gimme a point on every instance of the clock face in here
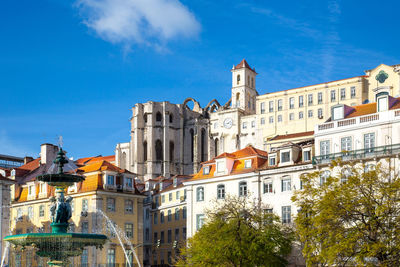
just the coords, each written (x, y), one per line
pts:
(228, 122)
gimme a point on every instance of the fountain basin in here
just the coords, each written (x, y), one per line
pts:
(57, 246)
(60, 180)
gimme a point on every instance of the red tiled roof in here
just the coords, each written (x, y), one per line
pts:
(293, 135)
(89, 160)
(101, 165)
(30, 166)
(243, 64)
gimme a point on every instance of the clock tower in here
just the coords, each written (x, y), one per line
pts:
(244, 87)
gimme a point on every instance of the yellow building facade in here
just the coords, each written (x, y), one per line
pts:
(106, 199)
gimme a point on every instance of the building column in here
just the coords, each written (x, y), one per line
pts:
(166, 159)
(196, 146)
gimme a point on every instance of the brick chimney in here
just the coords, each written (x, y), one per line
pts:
(48, 153)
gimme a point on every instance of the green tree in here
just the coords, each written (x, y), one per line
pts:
(238, 233)
(349, 216)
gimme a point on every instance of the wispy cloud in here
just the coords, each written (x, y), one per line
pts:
(138, 22)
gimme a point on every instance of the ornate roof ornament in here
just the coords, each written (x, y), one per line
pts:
(381, 76)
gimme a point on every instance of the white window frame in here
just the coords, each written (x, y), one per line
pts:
(247, 163)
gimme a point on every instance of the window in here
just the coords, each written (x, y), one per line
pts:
(85, 227)
(220, 191)
(310, 99)
(301, 114)
(169, 215)
(30, 213)
(286, 214)
(247, 163)
(320, 113)
(110, 179)
(320, 98)
(159, 150)
(338, 113)
(369, 142)
(19, 214)
(279, 118)
(178, 195)
(155, 218)
(162, 198)
(42, 188)
(237, 79)
(215, 125)
(286, 184)
(310, 113)
(184, 232)
(382, 103)
(184, 213)
(145, 151)
(162, 217)
(176, 234)
(171, 118)
(31, 190)
(285, 157)
(162, 240)
(346, 173)
(199, 221)
(158, 116)
(262, 121)
(272, 161)
(147, 214)
(85, 258)
(111, 257)
(271, 119)
(291, 116)
(333, 95)
(220, 166)
(343, 93)
(325, 148)
(307, 155)
(155, 237)
(353, 92)
(85, 205)
(176, 214)
(279, 104)
(244, 125)
(271, 106)
(253, 124)
(128, 206)
(323, 177)
(262, 107)
(346, 143)
(268, 187)
(200, 194)
(129, 230)
(169, 236)
(242, 189)
(41, 211)
(128, 182)
(170, 197)
(291, 103)
(110, 204)
(147, 234)
(301, 101)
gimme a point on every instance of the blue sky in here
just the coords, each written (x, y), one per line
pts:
(75, 68)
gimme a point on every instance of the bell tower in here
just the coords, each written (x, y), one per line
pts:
(244, 87)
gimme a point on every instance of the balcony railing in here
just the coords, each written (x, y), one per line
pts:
(380, 151)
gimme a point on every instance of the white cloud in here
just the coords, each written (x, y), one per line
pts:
(148, 22)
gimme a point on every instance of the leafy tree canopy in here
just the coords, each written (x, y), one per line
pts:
(238, 233)
(349, 215)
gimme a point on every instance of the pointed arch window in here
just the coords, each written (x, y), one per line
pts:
(158, 116)
(145, 151)
(238, 79)
(159, 152)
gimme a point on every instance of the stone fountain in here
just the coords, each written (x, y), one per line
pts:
(59, 245)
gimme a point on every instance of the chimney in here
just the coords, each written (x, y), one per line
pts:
(27, 159)
(48, 153)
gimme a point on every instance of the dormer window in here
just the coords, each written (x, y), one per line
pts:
(338, 112)
(175, 182)
(128, 182)
(247, 163)
(206, 170)
(31, 190)
(272, 161)
(110, 179)
(220, 166)
(285, 157)
(383, 102)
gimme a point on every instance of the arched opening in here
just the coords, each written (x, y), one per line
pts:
(237, 99)
(171, 151)
(238, 79)
(191, 145)
(158, 116)
(203, 145)
(145, 118)
(248, 80)
(216, 147)
(171, 118)
(145, 151)
(159, 150)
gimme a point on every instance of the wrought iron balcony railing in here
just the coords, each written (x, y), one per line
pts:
(375, 152)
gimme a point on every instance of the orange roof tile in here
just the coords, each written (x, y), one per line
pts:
(30, 166)
(101, 165)
(88, 160)
(293, 135)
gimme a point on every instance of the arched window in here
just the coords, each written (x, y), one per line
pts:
(159, 152)
(237, 99)
(238, 79)
(184, 212)
(216, 147)
(169, 215)
(242, 189)
(191, 145)
(248, 80)
(158, 116)
(171, 151)
(176, 214)
(162, 217)
(220, 191)
(145, 118)
(171, 118)
(203, 145)
(145, 151)
(346, 173)
(252, 82)
(200, 194)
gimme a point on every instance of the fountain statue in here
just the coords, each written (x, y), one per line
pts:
(59, 245)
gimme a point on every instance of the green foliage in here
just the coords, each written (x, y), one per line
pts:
(238, 233)
(352, 218)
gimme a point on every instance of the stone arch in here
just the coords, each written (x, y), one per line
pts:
(212, 106)
(196, 105)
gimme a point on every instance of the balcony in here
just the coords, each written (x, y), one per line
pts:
(366, 153)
